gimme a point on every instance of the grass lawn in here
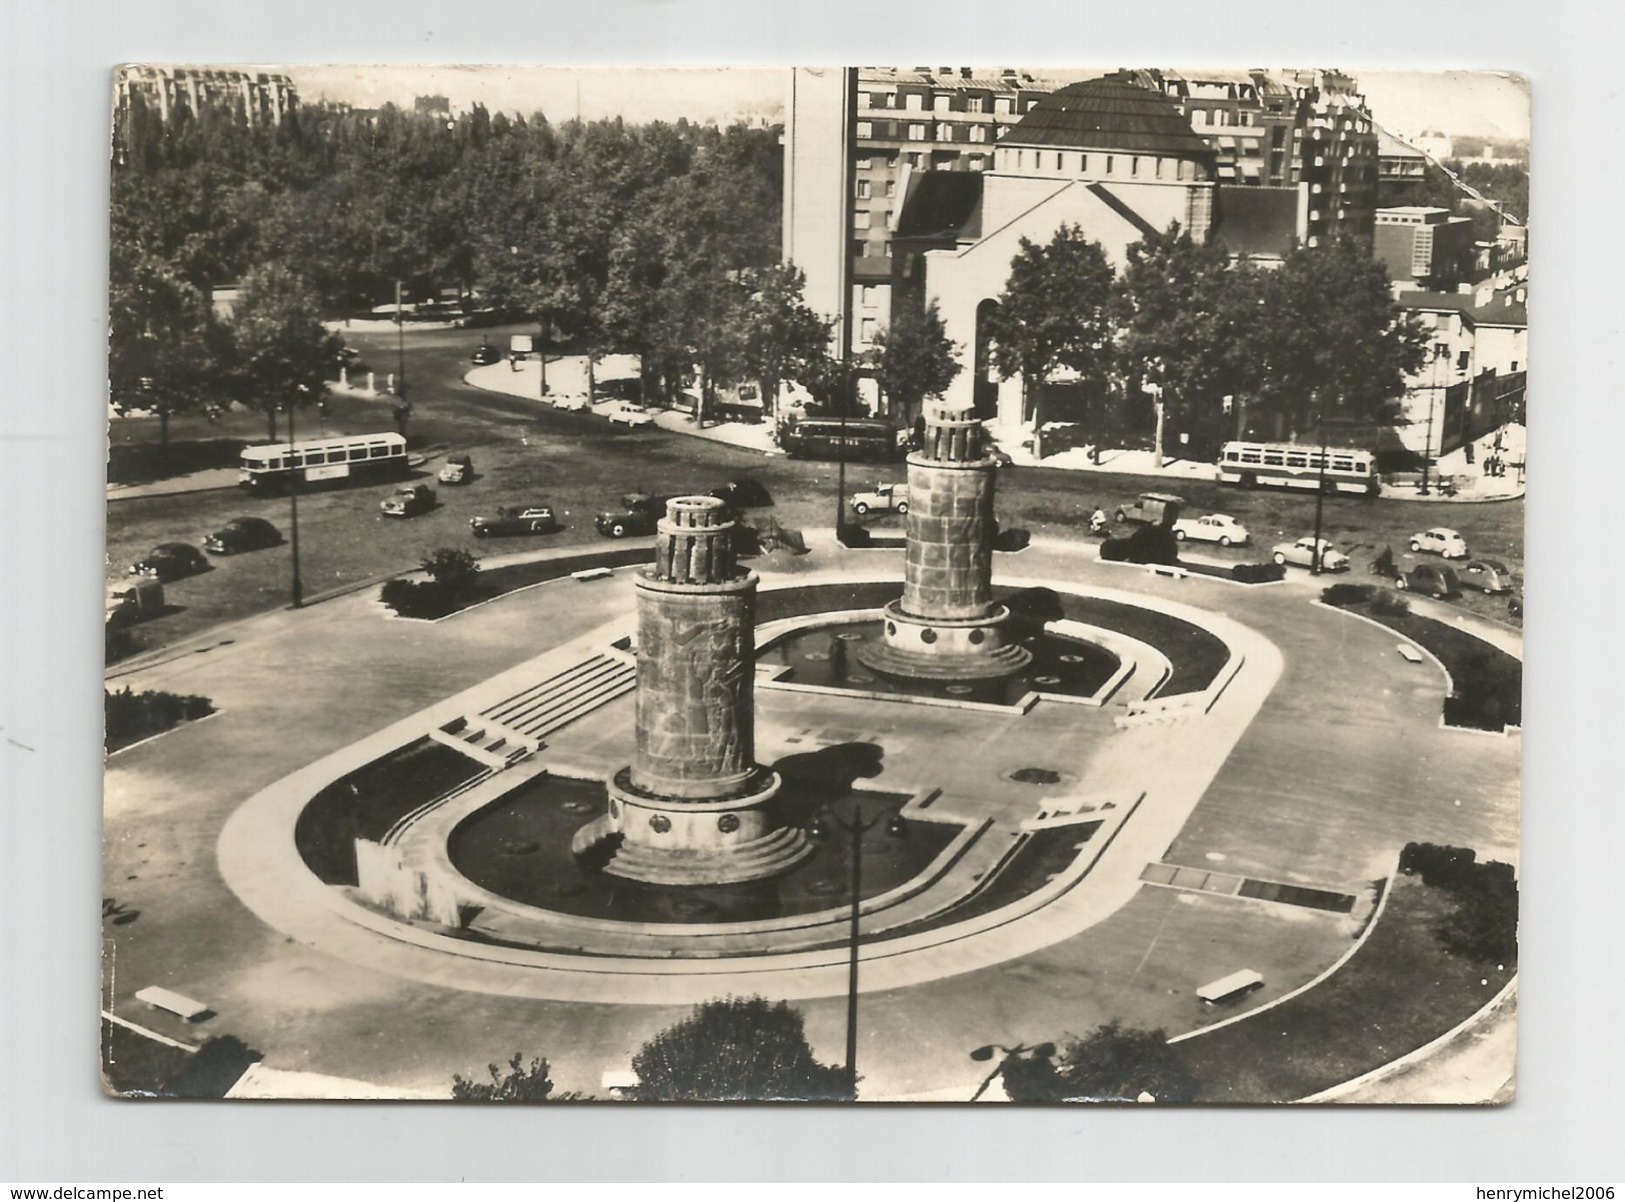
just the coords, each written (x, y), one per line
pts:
(1402, 989)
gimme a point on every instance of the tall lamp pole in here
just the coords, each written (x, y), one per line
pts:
(855, 830)
(293, 507)
(400, 346)
(1320, 485)
(1440, 350)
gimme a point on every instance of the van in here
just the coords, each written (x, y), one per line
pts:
(1153, 508)
(132, 601)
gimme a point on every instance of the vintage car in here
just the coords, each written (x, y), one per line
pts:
(1429, 579)
(170, 561)
(638, 514)
(884, 497)
(514, 519)
(485, 354)
(242, 534)
(1150, 507)
(1440, 541)
(1485, 575)
(624, 413)
(1218, 528)
(1302, 554)
(458, 469)
(408, 501)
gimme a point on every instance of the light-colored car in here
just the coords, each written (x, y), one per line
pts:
(570, 402)
(883, 497)
(458, 469)
(624, 413)
(1302, 554)
(1440, 540)
(1218, 528)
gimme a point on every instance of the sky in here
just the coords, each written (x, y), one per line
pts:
(1405, 102)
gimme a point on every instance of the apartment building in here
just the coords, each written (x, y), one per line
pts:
(262, 97)
(1425, 248)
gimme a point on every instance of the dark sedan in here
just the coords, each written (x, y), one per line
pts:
(170, 561)
(515, 519)
(639, 514)
(485, 355)
(1485, 575)
(242, 534)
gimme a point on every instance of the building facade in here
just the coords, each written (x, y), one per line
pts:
(262, 98)
(1473, 377)
(1425, 248)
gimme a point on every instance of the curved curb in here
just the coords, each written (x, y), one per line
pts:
(1416, 1055)
(1337, 964)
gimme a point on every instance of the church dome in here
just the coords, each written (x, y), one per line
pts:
(1108, 114)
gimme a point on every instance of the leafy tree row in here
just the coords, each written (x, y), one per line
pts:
(1218, 344)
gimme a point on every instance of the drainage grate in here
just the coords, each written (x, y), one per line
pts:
(1036, 776)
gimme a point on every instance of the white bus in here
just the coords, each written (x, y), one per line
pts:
(1298, 465)
(360, 458)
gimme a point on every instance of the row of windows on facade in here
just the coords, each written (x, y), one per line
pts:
(920, 161)
(860, 219)
(945, 132)
(943, 102)
(865, 248)
(1143, 166)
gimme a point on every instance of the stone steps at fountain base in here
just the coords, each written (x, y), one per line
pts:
(764, 857)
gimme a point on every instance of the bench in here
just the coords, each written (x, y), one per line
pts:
(160, 998)
(1409, 654)
(592, 573)
(1230, 986)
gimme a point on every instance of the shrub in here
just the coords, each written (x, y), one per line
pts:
(1114, 550)
(1258, 573)
(519, 1083)
(414, 599)
(133, 716)
(1014, 539)
(1483, 926)
(1110, 1064)
(1347, 594)
(453, 569)
(1488, 690)
(736, 1050)
(1389, 604)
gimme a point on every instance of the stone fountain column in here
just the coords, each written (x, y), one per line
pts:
(946, 625)
(694, 806)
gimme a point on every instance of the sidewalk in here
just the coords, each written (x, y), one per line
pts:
(207, 480)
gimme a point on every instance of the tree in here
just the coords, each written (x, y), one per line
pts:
(281, 352)
(1110, 1064)
(158, 333)
(453, 569)
(736, 1050)
(1331, 339)
(917, 359)
(782, 336)
(1054, 313)
(1178, 323)
(518, 1083)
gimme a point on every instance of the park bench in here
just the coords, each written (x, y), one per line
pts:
(160, 998)
(1230, 986)
(1409, 654)
(592, 573)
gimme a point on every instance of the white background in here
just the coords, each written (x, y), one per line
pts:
(55, 61)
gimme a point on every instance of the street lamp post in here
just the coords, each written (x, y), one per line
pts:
(1320, 490)
(400, 346)
(293, 508)
(855, 830)
(1440, 350)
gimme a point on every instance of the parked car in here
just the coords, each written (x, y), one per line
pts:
(884, 497)
(1515, 605)
(1486, 575)
(570, 402)
(133, 600)
(1440, 541)
(624, 413)
(485, 354)
(408, 501)
(743, 493)
(458, 469)
(170, 561)
(242, 534)
(515, 519)
(1302, 554)
(1429, 579)
(1218, 528)
(638, 514)
(1150, 507)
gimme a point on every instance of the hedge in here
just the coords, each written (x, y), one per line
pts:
(132, 716)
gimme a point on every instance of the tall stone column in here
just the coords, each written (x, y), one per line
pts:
(694, 807)
(946, 625)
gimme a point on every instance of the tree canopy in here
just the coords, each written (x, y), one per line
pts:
(916, 358)
(736, 1050)
(1109, 1064)
(518, 1082)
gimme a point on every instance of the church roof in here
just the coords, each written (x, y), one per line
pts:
(1108, 114)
